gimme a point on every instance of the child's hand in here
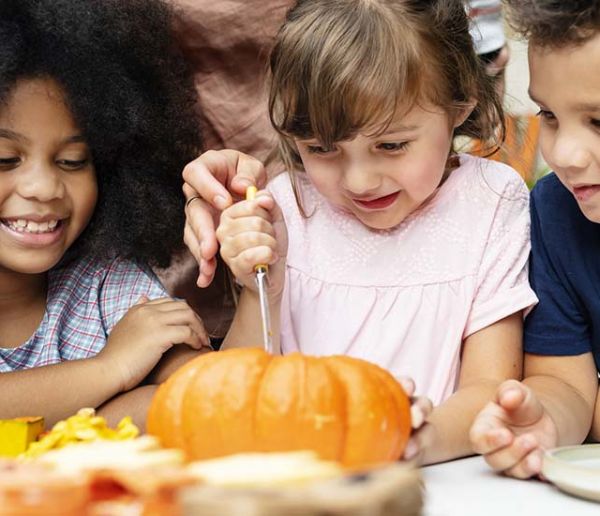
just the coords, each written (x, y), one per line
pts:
(148, 329)
(422, 435)
(513, 431)
(251, 233)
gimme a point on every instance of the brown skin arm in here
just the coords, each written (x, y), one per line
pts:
(172, 360)
(135, 403)
(56, 391)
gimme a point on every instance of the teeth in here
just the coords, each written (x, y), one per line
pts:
(29, 226)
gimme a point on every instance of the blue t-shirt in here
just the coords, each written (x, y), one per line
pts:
(565, 274)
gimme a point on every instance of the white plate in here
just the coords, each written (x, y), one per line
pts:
(575, 470)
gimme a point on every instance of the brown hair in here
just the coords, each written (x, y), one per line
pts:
(340, 66)
(555, 23)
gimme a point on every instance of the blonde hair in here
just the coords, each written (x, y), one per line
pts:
(339, 67)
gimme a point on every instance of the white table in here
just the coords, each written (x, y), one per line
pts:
(467, 487)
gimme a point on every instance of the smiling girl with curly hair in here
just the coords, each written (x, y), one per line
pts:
(96, 122)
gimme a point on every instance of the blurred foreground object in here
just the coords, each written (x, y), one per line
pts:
(85, 426)
(17, 434)
(393, 490)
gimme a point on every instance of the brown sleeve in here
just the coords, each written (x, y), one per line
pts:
(228, 43)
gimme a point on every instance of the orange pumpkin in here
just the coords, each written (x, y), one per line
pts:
(244, 399)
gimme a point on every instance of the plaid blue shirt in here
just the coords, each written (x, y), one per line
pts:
(86, 298)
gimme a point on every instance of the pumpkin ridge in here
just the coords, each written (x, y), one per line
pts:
(402, 404)
(189, 430)
(259, 388)
(346, 430)
(157, 420)
(391, 400)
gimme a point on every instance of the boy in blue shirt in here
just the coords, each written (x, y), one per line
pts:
(554, 405)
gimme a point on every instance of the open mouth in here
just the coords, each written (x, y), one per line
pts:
(378, 204)
(31, 227)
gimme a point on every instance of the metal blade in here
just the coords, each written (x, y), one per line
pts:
(261, 282)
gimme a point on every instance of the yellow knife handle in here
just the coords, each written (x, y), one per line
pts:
(250, 195)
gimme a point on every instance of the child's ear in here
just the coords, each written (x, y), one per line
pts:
(462, 112)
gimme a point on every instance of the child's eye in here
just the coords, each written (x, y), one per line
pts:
(318, 149)
(7, 163)
(72, 164)
(546, 115)
(392, 146)
(595, 122)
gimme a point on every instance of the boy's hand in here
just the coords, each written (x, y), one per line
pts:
(422, 435)
(148, 329)
(210, 181)
(513, 431)
(251, 233)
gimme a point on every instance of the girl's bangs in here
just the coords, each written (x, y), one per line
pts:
(335, 88)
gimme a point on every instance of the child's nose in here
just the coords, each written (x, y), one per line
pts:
(41, 182)
(569, 152)
(359, 179)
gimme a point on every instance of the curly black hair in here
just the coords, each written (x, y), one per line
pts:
(131, 94)
(555, 23)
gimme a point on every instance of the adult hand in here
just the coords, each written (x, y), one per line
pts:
(513, 431)
(211, 183)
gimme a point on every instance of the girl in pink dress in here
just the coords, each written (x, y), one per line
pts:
(383, 242)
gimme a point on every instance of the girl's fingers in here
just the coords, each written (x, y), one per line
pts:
(418, 443)
(197, 326)
(168, 304)
(411, 450)
(172, 312)
(159, 301)
(249, 208)
(408, 385)
(233, 247)
(183, 334)
(233, 227)
(420, 410)
(244, 263)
